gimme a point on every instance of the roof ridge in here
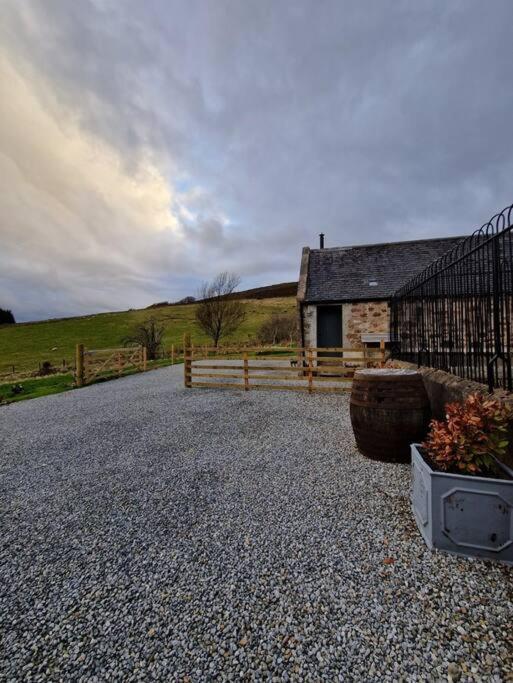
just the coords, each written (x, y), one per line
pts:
(386, 244)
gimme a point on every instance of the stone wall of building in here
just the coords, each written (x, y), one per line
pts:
(357, 318)
(364, 317)
(310, 325)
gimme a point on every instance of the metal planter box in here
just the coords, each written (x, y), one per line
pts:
(471, 516)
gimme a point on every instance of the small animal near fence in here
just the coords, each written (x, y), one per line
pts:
(319, 370)
(91, 364)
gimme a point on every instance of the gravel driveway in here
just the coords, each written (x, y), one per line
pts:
(152, 532)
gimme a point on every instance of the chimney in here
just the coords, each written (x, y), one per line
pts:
(321, 240)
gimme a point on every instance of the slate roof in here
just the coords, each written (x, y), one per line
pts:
(344, 273)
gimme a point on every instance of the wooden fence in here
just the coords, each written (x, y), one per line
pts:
(92, 363)
(297, 369)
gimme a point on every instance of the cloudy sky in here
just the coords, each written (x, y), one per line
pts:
(146, 146)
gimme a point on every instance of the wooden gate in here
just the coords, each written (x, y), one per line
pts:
(93, 363)
(296, 369)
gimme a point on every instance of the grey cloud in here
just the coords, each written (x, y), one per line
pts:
(368, 120)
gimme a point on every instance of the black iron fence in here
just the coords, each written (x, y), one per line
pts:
(457, 315)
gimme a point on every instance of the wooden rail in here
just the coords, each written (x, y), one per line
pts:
(92, 363)
(301, 369)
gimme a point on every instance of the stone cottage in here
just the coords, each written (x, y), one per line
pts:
(344, 292)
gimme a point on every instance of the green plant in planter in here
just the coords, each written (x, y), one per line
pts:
(472, 434)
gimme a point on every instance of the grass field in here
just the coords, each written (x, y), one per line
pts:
(33, 388)
(25, 345)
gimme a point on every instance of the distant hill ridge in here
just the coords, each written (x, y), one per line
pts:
(283, 289)
(279, 291)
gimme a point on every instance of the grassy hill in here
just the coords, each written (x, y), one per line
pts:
(279, 291)
(25, 345)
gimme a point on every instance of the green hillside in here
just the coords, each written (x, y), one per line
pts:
(25, 345)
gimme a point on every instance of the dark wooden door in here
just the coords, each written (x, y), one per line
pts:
(329, 326)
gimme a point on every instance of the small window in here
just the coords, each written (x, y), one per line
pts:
(373, 283)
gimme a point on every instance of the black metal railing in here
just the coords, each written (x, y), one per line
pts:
(456, 315)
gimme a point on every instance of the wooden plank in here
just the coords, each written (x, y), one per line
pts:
(336, 349)
(290, 378)
(353, 364)
(187, 360)
(242, 349)
(122, 349)
(334, 368)
(102, 365)
(216, 375)
(246, 372)
(279, 387)
(283, 357)
(217, 385)
(223, 366)
(297, 378)
(333, 378)
(216, 366)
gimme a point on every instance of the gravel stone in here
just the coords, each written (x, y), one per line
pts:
(149, 532)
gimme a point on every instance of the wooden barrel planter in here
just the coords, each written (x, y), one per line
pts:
(389, 411)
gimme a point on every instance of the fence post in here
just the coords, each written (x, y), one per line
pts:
(299, 362)
(144, 358)
(310, 371)
(187, 360)
(80, 365)
(172, 354)
(246, 372)
(382, 350)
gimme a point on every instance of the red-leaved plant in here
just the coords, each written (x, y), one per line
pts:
(471, 434)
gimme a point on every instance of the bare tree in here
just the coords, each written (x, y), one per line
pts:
(217, 314)
(148, 334)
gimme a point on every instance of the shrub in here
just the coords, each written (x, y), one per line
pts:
(6, 317)
(472, 434)
(148, 334)
(46, 368)
(278, 328)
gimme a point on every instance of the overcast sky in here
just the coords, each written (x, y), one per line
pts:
(145, 146)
